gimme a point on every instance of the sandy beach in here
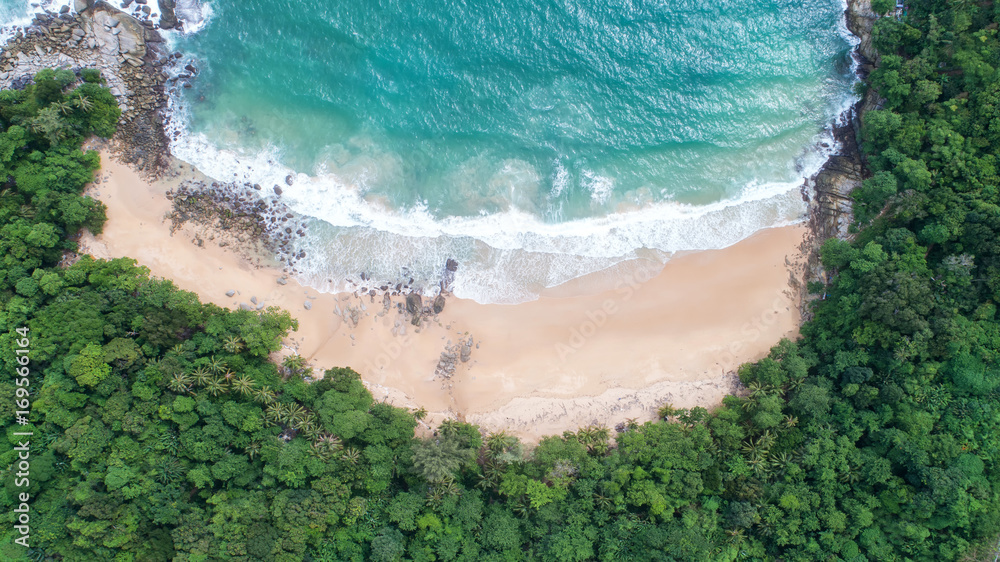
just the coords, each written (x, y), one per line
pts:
(572, 358)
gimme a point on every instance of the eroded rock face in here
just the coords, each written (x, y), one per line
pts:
(860, 20)
(115, 33)
(832, 209)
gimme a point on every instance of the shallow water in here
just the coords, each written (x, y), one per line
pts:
(534, 141)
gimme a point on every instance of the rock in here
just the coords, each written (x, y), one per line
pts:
(64, 10)
(253, 300)
(288, 179)
(230, 293)
(282, 281)
(438, 304)
(413, 304)
(245, 306)
(82, 5)
(308, 305)
(277, 190)
(168, 19)
(451, 265)
(466, 352)
(147, 10)
(126, 4)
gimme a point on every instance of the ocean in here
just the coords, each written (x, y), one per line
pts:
(533, 141)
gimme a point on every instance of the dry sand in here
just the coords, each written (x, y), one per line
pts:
(572, 358)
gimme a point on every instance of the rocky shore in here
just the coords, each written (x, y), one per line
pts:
(129, 53)
(831, 206)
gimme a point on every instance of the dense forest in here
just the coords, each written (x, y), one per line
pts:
(160, 430)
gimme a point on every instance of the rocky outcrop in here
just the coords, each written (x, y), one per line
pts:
(860, 20)
(831, 206)
(125, 51)
(831, 210)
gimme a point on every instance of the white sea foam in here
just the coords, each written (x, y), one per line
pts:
(507, 256)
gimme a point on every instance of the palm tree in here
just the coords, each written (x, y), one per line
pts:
(265, 395)
(757, 390)
(243, 385)
(273, 414)
(179, 383)
(759, 463)
(215, 387)
(603, 502)
(666, 411)
(64, 107)
(351, 455)
(308, 428)
(216, 365)
(233, 344)
(595, 438)
(84, 103)
(201, 376)
(791, 421)
(796, 383)
(296, 415)
(252, 449)
(499, 442)
(330, 442)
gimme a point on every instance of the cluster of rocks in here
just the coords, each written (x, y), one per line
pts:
(239, 210)
(416, 309)
(125, 50)
(451, 356)
(414, 305)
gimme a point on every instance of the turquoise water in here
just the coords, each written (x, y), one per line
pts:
(534, 140)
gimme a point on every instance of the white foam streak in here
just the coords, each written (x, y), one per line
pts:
(508, 256)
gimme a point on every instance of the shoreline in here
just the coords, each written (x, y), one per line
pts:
(526, 371)
(536, 368)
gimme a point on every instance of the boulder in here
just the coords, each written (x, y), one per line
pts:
(413, 303)
(438, 305)
(168, 19)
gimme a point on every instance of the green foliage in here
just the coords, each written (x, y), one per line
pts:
(873, 437)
